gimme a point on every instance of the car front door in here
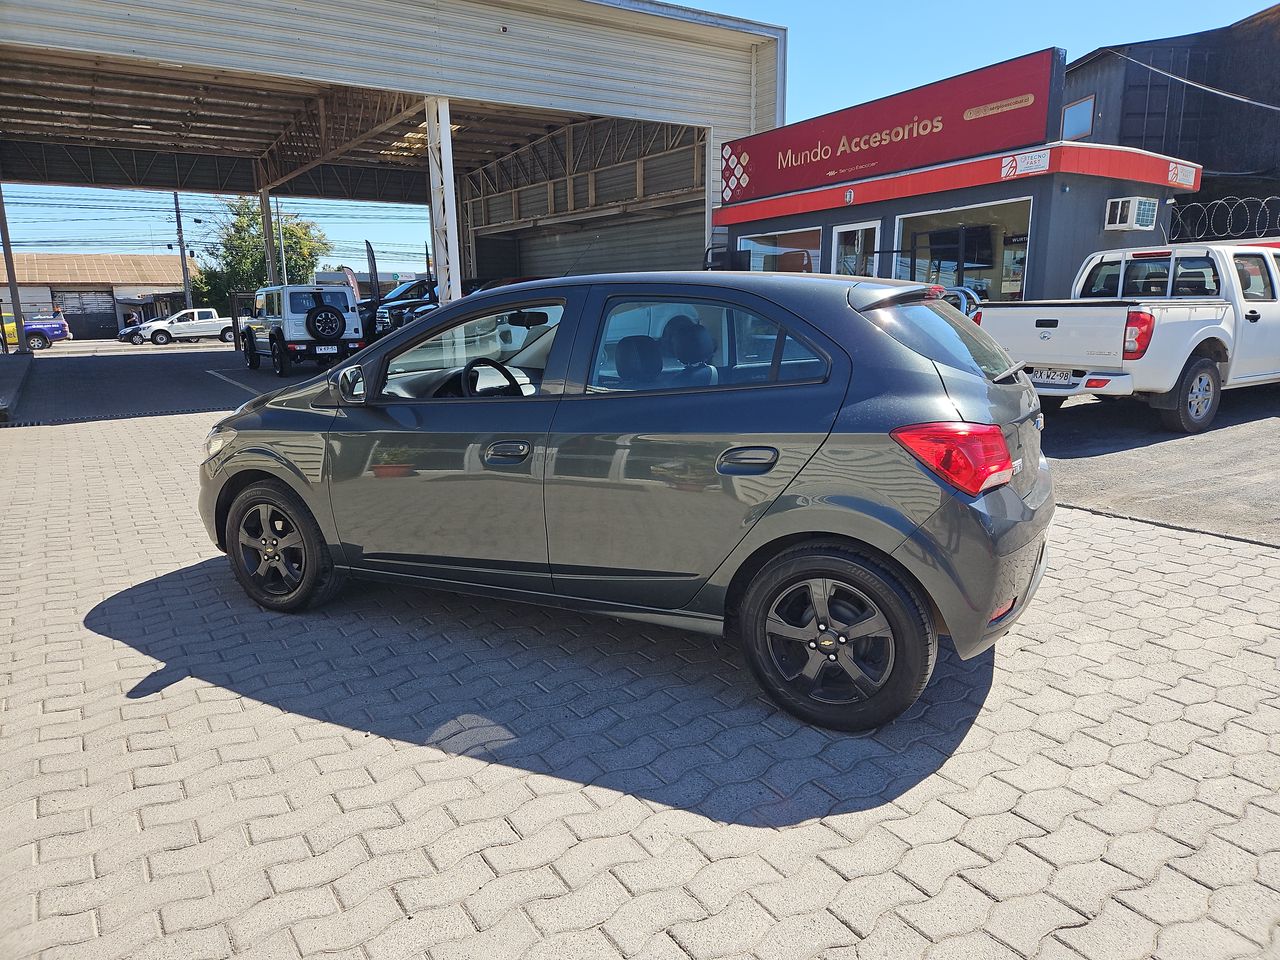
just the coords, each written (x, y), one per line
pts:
(1258, 351)
(688, 412)
(428, 482)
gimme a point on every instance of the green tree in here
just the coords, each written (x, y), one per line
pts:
(235, 258)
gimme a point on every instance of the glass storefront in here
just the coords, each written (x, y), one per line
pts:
(983, 248)
(798, 251)
(855, 247)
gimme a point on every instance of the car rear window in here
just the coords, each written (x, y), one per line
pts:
(937, 330)
(301, 301)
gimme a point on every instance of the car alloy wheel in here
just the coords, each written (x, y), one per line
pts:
(830, 641)
(227, 336)
(1200, 396)
(137, 340)
(160, 338)
(38, 341)
(272, 551)
(1198, 393)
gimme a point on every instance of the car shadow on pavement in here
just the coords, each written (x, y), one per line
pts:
(668, 716)
(1095, 427)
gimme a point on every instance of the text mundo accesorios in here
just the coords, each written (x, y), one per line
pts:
(822, 151)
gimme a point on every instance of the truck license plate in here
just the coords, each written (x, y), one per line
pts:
(326, 349)
(1057, 378)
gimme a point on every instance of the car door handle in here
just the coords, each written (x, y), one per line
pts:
(506, 452)
(1253, 316)
(746, 461)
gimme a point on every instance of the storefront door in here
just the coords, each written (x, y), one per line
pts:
(856, 247)
(983, 248)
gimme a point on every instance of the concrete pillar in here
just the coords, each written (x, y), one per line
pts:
(268, 237)
(444, 204)
(14, 296)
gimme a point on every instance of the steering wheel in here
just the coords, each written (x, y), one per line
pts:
(469, 391)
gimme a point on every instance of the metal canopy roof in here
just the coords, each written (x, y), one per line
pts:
(96, 121)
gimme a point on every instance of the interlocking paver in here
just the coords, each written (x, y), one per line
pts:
(407, 774)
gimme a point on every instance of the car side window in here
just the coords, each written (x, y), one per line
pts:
(1146, 278)
(259, 305)
(1103, 280)
(516, 338)
(661, 344)
(1255, 279)
(1196, 277)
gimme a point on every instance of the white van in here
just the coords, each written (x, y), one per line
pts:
(291, 324)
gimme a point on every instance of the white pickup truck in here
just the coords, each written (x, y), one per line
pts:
(1173, 326)
(191, 324)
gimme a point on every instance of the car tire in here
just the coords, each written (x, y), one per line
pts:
(1051, 404)
(161, 337)
(873, 678)
(326, 324)
(252, 359)
(280, 362)
(275, 576)
(37, 341)
(1198, 393)
(227, 336)
(137, 339)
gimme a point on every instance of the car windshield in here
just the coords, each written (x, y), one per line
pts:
(942, 333)
(396, 292)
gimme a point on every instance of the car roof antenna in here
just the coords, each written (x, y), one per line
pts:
(578, 260)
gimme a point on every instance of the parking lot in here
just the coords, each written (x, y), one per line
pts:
(408, 772)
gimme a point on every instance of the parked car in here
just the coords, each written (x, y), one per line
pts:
(295, 323)
(393, 315)
(187, 326)
(834, 503)
(42, 331)
(420, 289)
(1172, 326)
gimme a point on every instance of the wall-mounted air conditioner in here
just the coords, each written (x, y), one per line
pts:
(1132, 213)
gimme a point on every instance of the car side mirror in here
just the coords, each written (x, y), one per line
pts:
(351, 384)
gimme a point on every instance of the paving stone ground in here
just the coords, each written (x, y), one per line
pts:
(409, 774)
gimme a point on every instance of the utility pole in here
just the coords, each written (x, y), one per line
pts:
(19, 330)
(284, 267)
(182, 252)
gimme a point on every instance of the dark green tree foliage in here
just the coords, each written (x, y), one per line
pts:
(234, 259)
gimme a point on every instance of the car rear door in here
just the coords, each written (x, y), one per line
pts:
(666, 449)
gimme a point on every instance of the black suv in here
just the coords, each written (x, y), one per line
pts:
(832, 470)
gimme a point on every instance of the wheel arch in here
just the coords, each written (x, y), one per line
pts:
(253, 467)
(1215, 348)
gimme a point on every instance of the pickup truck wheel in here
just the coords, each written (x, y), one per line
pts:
(1052, 404)
(1198, 391)
(252, 359)
(161, 337)
(227, 336)
(835, 638)
(37, 341)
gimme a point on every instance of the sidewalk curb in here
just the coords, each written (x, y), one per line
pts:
(14, 370)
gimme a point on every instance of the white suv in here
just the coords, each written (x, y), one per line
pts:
(293, 323)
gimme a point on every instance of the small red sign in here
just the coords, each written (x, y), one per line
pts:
(996, 108)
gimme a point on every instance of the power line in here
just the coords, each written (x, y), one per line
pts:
(1200, 86)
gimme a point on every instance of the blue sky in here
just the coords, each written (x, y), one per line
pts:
(838, 55)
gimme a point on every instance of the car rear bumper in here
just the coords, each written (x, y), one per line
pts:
(320, 351)
(976, 556)
(1107, 384)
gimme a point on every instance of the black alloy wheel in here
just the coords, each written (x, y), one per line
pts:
(835, 637)
(277, 550)
(279, 358)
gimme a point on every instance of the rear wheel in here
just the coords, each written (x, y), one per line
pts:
(277, 550)
(227, 336)
(37, 341)
(1198, 391)
(835, 638)
(252, 359)
(279, 358)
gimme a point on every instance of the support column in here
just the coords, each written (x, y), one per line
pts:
(14, 296)
(444, 204)
(268, 237)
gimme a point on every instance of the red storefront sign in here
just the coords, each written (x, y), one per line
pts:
(996, 108)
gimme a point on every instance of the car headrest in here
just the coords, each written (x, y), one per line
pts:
(693, 345)
(639, 358)
(677, 323)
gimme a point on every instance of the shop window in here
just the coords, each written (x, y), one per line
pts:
(1077, 119)
(798, 251)
(982, 248)
(855, 248)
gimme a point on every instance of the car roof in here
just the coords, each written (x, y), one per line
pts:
(861, 291)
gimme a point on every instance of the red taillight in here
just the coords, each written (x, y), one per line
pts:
(973, 457)
(1137, 334)
(1096, 383)
(977, 317)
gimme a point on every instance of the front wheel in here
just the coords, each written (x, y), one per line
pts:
(227, 336)
(137, 340)
(161, 337)
(1198, 391)
(37, 341)
(279, 358)
(837, 639)
(277, 550)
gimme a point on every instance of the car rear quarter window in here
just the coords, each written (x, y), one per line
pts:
(942, 333)
(1102, 281)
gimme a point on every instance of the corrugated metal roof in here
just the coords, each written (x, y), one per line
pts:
(108, 268)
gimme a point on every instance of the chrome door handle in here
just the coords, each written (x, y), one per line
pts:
(506, 452)
(746, 461)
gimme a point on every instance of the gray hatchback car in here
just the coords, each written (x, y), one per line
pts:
(834, 471)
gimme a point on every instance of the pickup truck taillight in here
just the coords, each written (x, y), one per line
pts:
(977, 317)
(1138, 329)
(972, 457)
